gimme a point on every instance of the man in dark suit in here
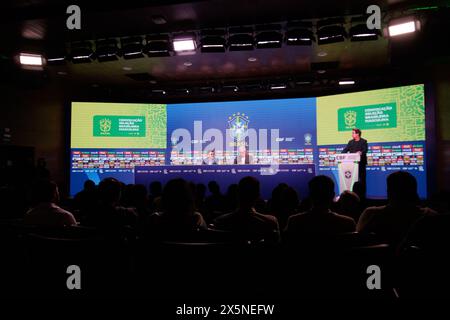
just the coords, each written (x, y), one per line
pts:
(243, 156)
(211, 159)
(359, 145)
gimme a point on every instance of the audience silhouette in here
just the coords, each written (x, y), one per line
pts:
(246, 221)
(392, 221)
(178, 215)
(319, 222)
(46, 212)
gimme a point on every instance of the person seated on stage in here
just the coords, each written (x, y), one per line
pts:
(243, 156)
(47, 213)
(178, 216)
(392, 221)
(319, 223)
(211, 159)
(107, 214)
(245, 221)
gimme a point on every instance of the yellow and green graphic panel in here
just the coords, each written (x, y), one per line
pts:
(118, 125)
(394, 114)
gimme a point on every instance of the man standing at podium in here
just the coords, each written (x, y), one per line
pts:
(358, 145)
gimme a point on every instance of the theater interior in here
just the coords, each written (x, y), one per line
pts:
(223, 151)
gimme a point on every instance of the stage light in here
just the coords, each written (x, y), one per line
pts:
(158, 46)
(396, 29)
(240, 38)
(299, 37)
(56, 56)
(159, 91)
(107, 50)
(206, 90)
(331, 34)
(268, 39)
(182, 91)
(132, 48)
(184, 43)
(277, 86)
(346, 82)
(213, 44)
(230, 88)
(29, 59)
(81, 52)
(360, 32)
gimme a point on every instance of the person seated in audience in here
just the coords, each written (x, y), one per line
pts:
(246, 222)
(360, 191)
(178, 216)
(47, 213)
(154, 197)
(87, 197)
(215, 203)
(284, 203)
(107, 214)
(139, 201)
(392, 221)
(319, 223)
(200, 192)
(231, 198)
(349, 204)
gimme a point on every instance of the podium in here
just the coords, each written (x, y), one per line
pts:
(348, 168)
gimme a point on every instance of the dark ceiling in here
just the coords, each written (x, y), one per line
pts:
(39, 24)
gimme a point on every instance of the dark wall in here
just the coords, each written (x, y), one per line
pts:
(36, 118)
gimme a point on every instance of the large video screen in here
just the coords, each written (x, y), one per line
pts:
(277, 140)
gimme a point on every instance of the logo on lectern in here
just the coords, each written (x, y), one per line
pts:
(348, 174)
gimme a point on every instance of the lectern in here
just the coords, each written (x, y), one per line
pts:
(348, 166)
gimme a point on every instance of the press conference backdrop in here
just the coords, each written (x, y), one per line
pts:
(111, 139)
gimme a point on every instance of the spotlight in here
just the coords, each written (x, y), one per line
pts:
(299, 37)
(132, 48)
(230, 88)
(107, 50)
(184, 43)
(81, 52)
(56, 56)
(346, 82)
(241, 38)
(402, 27)
(205, 90)
(182, 91)
(29, 59)
(331, 34)
(213, 40)
(360, 32)
(158, 46)
(278, 86)
(268, 39)
(159, 91)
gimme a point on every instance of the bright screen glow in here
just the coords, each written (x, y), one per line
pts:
(224, 141)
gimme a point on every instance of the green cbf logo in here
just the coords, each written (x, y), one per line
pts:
(105, 126)
(375, 116)
(119, 126)
(350, 118)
